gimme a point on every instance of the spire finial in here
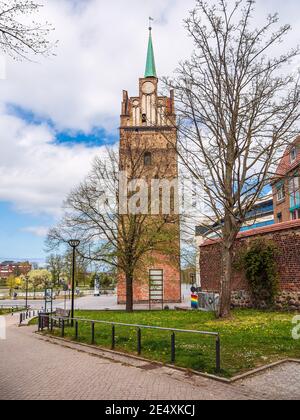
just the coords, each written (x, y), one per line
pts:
(150, 65)
(150, 23)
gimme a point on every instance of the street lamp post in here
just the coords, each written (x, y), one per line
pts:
(26, 292)
(73, 244)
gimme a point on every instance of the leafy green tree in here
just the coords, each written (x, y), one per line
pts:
(56, 266)
(39, 279)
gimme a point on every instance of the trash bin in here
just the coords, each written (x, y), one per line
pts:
(44, 320)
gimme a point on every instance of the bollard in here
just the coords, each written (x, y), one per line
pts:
(76, 330)
(113, 337)
(139, 341)
(173, 350)
(93, 333)
(63, 328)
(218, 355)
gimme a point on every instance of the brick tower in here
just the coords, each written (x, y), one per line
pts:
(148, 123)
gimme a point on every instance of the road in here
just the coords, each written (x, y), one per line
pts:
(87, 302)
(33, 369)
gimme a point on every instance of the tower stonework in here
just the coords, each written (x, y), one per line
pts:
(148, 123)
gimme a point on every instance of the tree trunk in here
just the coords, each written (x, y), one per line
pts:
(129, 293)
(225, 293)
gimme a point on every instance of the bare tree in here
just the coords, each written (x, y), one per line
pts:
(21, 37)
(237, 109)
(111, 232)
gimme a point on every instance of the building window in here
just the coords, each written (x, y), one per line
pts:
(147, 159)
(144, 118)
(293, 154)
(294, 191)
(280, 192)
(279, 218)
(295, 215)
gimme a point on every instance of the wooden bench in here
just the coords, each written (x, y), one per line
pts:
(61, 315)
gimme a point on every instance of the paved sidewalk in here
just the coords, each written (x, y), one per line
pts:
(32, 368)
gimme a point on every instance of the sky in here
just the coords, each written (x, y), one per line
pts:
(59, 113)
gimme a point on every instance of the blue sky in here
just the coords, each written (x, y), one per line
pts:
(16, 242)
(57, 114)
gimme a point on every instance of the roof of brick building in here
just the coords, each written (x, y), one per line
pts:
(285, 165)
(260, 231)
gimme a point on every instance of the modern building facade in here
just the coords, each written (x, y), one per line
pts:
(286, 185)
(148, 129)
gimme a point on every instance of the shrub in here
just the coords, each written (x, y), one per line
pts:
(258, 261)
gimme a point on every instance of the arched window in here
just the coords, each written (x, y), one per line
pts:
(147, 159)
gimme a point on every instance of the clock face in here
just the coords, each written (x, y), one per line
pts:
(148, 88)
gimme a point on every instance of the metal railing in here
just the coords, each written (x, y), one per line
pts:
(50, 322)
(28, 315)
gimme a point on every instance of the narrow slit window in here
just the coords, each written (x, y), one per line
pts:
(147, 159)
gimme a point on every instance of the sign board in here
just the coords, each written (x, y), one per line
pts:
(156, 287)
(97, 286)
(48, 300)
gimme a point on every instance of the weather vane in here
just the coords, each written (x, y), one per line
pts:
(150, 23)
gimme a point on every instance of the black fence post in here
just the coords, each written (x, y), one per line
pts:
(93, 333)
(76, 330)
(113, 337)
(52, 324)
(218, 355)
(21, 319)
(62, 328)
(139, 341)
(173, 349)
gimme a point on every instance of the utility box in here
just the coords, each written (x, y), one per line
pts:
(208, 302)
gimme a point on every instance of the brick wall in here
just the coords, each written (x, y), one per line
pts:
(287, 238)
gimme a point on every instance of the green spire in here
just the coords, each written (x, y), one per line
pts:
(150, 65)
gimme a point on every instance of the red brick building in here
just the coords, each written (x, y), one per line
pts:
(285, 233)
(8, 268)
(286, 186)
(148, 123)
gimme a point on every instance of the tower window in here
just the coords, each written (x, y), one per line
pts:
(144, 118)
(147, 159)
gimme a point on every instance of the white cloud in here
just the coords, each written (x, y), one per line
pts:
(35, 173)
(102, 50)
(40, 231)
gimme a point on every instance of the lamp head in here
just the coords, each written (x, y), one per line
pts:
(74, 243)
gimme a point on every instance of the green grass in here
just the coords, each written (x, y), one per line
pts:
(8, 310)
(249, 340)
(5, 311)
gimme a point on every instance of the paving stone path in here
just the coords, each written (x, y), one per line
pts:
(32, 368)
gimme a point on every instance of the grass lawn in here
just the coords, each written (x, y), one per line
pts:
(248, 340)
(5, 311)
